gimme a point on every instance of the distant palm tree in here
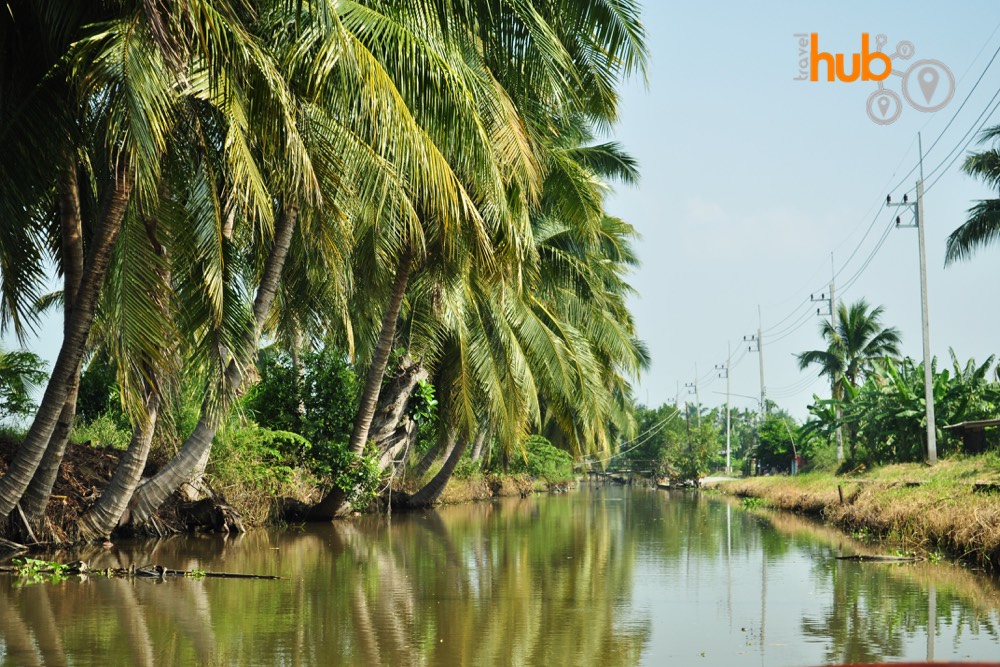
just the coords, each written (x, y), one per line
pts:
(853, 347)
(20, 374)
(983, 225)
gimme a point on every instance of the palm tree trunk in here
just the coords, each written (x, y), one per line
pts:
(431, 491)
(838, 394)
(104, 516)
(32, 449)
(153, 492)
(300, 371)
(36, 497)
(373, 381)
(335, 502)
(390, 412)
(433, 455)
(109, 509)
(477, 446)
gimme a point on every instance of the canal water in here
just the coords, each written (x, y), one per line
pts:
(601, 576)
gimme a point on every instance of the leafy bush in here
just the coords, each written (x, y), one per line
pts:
(253, 454)
(98, 395)
(105, 430)
(468, 469)
(327, 392)
(358, 476)
(422, 405)
(542, 460)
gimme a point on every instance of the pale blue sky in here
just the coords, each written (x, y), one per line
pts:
(750, 179)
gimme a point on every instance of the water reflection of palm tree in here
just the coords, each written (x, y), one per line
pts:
(20, 647)
(120, 595)
(34, 600)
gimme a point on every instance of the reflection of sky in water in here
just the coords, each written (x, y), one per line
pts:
(725, 603)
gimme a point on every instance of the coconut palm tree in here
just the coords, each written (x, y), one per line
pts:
(983, 225)
(20, 374)
(854, 347)
(555, 349)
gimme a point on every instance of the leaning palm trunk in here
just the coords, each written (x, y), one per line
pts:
(184, 466)
(477, 446)
(104, 516)
(109, 509)
(390, 418)
(431, 491)
(32, 449)
(335, 502)
(376, 371)
(433, 455)
(36, 497)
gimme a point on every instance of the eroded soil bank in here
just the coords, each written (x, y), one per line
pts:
(86, 470)
(951, 509)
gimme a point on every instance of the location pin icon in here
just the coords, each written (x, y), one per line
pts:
(883, 105)
(928, 79)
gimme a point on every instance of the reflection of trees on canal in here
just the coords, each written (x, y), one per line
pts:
(875, 607)
(104, 621)
(480, 586)
(545, 580)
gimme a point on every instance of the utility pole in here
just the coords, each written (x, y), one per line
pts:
(759, 340)
(832, 306)
(725, 374)
(692, 388)
(918, 222)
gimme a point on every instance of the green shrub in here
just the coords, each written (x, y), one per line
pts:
(542, 460)
(102, 431)
(358, 476)
(253, 455)
(468, 469)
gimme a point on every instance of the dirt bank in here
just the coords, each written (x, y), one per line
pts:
(86, 470)
(952, 509)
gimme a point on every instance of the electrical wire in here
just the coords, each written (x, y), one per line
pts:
(947, 162)
(971, 138)
(653, 430)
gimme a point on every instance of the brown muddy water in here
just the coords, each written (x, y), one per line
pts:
(601, 576)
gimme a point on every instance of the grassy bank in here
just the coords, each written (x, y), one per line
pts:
(937, 510)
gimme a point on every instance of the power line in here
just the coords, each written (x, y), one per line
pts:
(971, 138)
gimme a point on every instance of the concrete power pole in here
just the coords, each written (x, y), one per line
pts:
(918, 222)
(693, 389)
(725, 374)
(759, 340)
(832, 306)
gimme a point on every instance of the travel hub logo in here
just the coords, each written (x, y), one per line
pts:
(927, 84)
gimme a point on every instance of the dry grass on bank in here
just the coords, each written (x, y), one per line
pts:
(917, 507)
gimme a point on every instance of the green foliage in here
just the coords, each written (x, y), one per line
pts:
(274, 401)
(673, 443)
(34, 571)
(422, 405)
(20, 374)
(468, 469)
(327, 391)
(542, 460)
(885, 417)
(257, 456)
(98, 394)
(103, 431)
(751, 503)
(775, 436)
(359, 476)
